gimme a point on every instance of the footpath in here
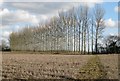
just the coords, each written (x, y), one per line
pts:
(93, 70)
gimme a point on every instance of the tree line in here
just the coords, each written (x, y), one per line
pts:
(77, 30)
(4, 46)
(111, 45)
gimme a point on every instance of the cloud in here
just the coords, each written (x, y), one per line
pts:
(6, 34)
(31, 13)
(111, 23)
(117, 9)
(54, 0)
(18, 16)
(45, 7)
(1, 2)
(39, 7)
(113, 34)
(41, 10)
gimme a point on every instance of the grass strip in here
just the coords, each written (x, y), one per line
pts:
(92, 70)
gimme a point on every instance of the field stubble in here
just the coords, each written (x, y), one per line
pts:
(36, 66)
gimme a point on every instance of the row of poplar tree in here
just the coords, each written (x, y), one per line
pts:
(76, 30)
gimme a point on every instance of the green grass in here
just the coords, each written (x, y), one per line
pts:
(92, 70)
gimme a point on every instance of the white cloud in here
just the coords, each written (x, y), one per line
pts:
(24, 16)
(42, 17)
(113, 34)
(4, 12)
(51, 7)
(33, 12)
(18, 16)
(117, 9)
(24, 10)
(6, 34)
(40, 8)
(54, 0)
(5, 27)
(1, 2)
(111, 23)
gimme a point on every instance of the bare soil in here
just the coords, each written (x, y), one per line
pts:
(39, 66)
(110, 63)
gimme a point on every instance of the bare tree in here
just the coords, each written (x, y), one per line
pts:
(79, 25)
(92, 34)
(99, 26)
(69, 31)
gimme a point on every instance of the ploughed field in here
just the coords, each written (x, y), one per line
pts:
(39, 66)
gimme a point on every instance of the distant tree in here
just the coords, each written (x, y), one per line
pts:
(4, 46)
(112, 44)
(72, 30)
(0, 47)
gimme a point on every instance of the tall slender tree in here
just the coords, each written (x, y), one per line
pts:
(99, 26)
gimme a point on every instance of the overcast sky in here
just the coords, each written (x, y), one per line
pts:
(16, 14)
